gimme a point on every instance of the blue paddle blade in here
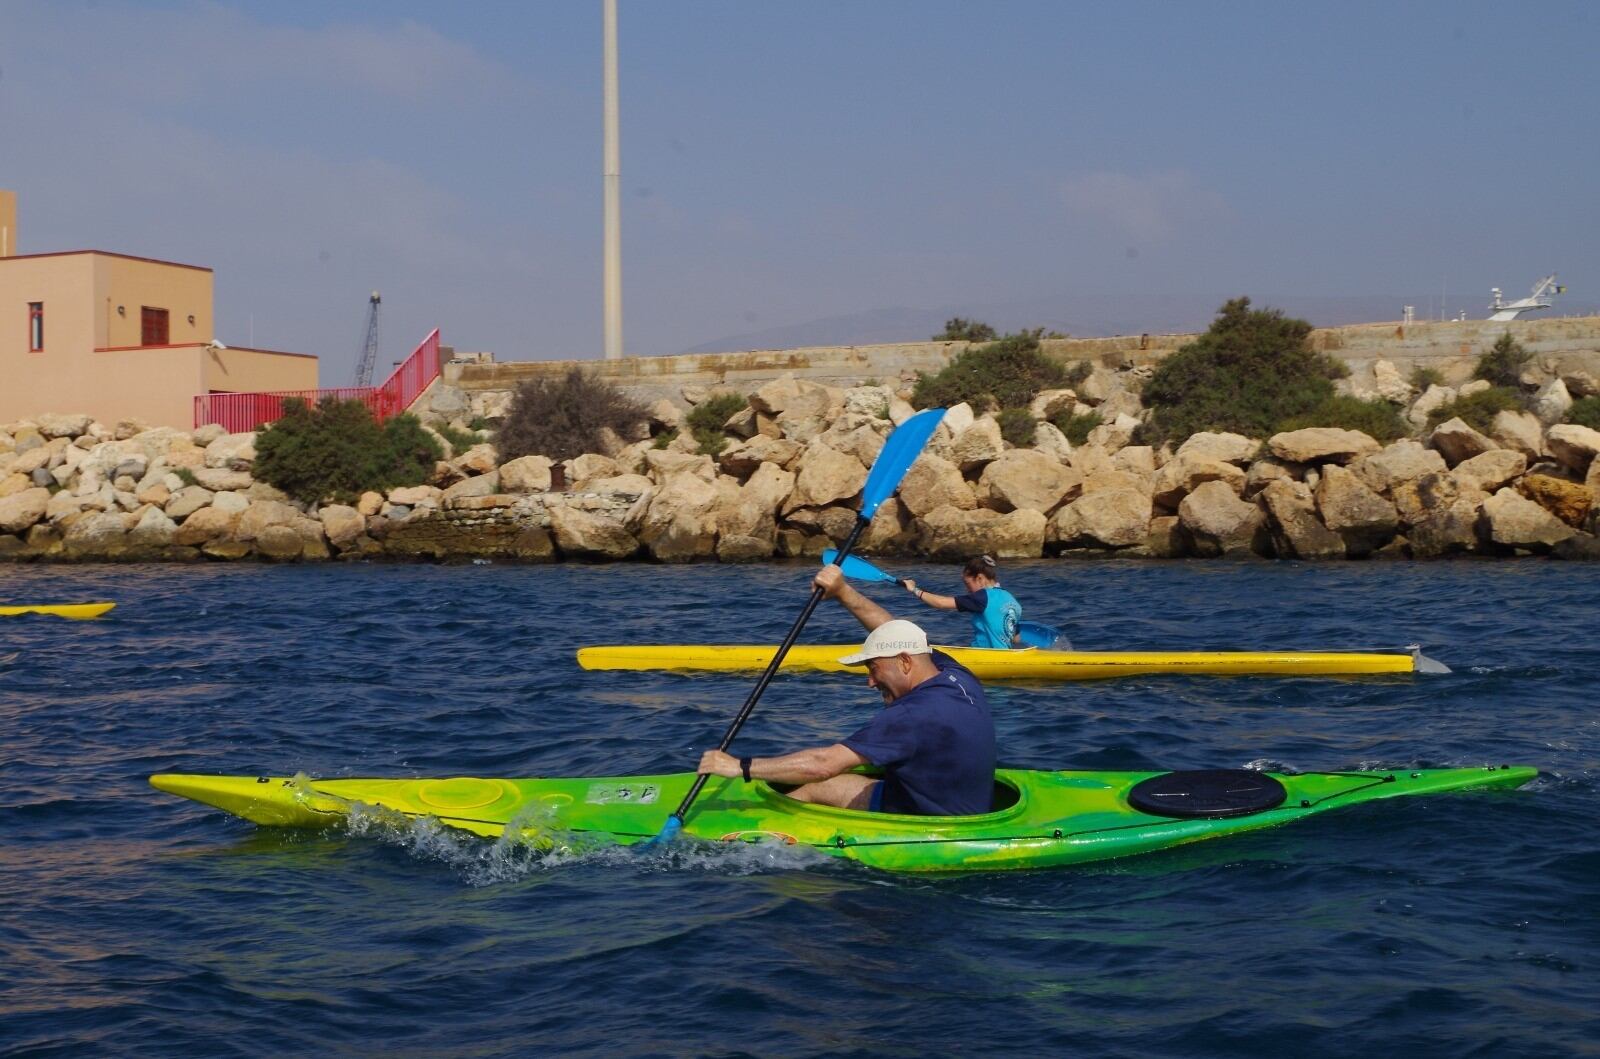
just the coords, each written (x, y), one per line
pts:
(669, 831)
(900, 451)
(1037, 634)
(856, 569)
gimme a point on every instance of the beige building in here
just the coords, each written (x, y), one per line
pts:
(118, 337)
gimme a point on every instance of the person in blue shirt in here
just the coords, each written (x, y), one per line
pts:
(934, 738)
(996, 614)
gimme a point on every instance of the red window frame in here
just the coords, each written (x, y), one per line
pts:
(153, 329)
(36, 327)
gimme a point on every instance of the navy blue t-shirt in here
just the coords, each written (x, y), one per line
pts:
(935, 745)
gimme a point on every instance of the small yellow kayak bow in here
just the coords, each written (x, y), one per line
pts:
(75, 611)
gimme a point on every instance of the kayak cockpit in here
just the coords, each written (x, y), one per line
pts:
(1006, 802)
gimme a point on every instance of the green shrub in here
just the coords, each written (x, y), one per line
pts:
(665, 438)
(1504, 362)
(707, 418)
(1075, 373)
(186, 476)
(1422, 378)
(1250, 371)
(1008, 373)
(562, 417)
(338, 450)
(1377, 419)
(1076, 427)
(481, 423)
(1478, 410)
(1585, 412)
(1018, 426)
(957, 329)
(459, 440)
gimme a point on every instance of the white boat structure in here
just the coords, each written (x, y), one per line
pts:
(1539, 299)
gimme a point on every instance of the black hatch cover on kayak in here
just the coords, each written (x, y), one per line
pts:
(1207, 793)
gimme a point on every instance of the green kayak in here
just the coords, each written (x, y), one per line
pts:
(1041, 819)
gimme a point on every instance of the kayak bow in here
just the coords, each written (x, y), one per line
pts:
(1042, 819)
(1025, 664)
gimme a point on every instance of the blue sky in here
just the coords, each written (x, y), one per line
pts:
(786, 162)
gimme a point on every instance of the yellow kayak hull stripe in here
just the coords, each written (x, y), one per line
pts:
(1029, 664)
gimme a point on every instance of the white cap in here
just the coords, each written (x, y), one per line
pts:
(897, 637)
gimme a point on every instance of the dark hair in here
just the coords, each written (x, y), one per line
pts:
(982, 566)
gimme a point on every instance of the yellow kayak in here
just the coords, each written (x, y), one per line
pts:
(1026, 664)
(75, 611)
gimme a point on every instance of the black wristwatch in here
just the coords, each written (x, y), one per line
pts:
(744, 767)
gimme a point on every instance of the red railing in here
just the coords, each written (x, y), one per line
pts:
(240, 412)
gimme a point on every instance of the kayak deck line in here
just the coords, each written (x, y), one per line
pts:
(72, 611)
(1029, 663)
(1044, 819)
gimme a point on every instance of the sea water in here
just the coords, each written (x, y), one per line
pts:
(135, 923)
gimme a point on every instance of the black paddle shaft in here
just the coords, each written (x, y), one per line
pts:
(772, 667)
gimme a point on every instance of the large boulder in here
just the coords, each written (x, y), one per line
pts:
(1321, 445)
(70, 425)
(787, 396)
(1575, 446)
(413, 495)
(952, 533)
(1223, 447)
(1114, 434)
(1433, 397)
(526, 474)
(477, 485)
(19, 511)
(95, 535)
(768, 488)
(823, 475)
(1187, 471)
(153, 529)
(743, 459)
(342, 524)
(1297, 531)
(1048, 439)
(1106, 518)
(1364, 519)
(590, 535)
(1514, 521)
(663, 463)
(1447, 529)
(1026, 478)
(262, 514)
(1568, 501)
(680, 521)
(1388, 383)
(219, 479)
(187, 501)
(1422, 498)
(1457, 441)
(233, 452)
(1520, 431)
(1219, 522)
(1490, 470)
(280, 543)
(1552, 402)
(1401, 461)
(934, 482)
(978, 445)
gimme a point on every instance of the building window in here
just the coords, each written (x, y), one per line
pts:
(36, 327)
(152, 326)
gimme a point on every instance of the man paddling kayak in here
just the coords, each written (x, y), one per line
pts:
(996, 614)
(934, 738)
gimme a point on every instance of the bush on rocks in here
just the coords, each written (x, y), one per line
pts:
(1076, 428)
(1503, 364)
(1377, 419)
(1008, 373)
(707, 419)
(1585, 412)
(1252, 370)
(1018, 426)
(338, 451)
(1478, 410)
(563, 418)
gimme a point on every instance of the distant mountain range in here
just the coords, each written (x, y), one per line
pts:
(1087, 317)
